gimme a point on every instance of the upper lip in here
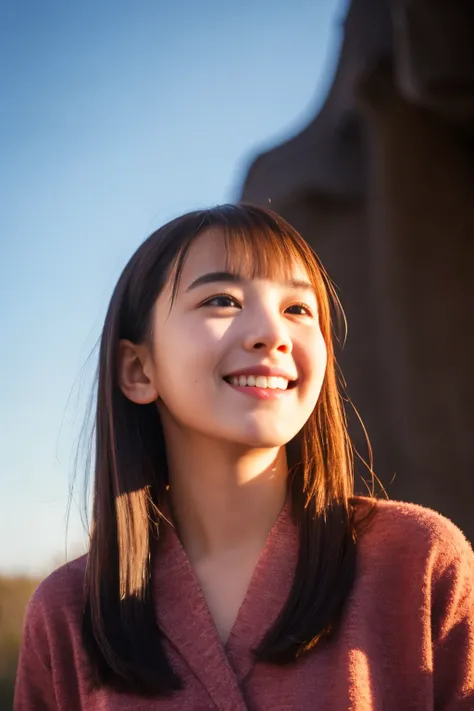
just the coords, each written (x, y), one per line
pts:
(263, 370)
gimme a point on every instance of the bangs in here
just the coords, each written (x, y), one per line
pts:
(258, 245)
(263, 251)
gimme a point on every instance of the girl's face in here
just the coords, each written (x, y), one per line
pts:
(219, 332)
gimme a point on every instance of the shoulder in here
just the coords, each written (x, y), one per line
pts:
(415, 561)
(58, 597)
(52, 657)
(63, 584)
(399, 531)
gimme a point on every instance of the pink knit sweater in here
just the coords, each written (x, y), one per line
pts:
(406, 640)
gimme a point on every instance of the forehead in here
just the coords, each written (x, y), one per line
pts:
(250, 256)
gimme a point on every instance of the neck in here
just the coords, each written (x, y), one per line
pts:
(225, 500)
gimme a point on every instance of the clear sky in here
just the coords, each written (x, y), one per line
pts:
(115, 117)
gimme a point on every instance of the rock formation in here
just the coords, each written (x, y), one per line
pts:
(381, 183)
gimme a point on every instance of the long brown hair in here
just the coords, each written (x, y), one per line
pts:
(120, 631)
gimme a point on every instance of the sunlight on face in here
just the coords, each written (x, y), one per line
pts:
(223, 329)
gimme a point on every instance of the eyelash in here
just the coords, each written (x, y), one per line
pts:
(302, 306)
(219, 296)
(231, 298)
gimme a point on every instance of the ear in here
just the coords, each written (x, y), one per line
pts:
(135, 373)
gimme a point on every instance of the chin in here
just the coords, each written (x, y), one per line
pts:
(261, 440)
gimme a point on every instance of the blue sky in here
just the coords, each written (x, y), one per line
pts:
(116, 117)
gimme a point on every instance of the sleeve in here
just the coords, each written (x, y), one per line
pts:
(453, 629)
(34, 688)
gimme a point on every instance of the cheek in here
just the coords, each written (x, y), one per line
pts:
(187, 353)
(322, 355)
(314, 358)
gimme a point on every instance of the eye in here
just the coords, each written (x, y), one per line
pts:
(300, 310)
(222, 301)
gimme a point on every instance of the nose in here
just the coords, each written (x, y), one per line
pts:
(268, 334)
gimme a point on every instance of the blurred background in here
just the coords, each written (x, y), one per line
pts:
(353, 120)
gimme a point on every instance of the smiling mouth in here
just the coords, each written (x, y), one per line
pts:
(264, 382)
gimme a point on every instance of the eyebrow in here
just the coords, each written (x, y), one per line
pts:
(219, 277)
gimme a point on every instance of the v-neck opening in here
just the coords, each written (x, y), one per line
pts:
(258, 571)
(186, 620)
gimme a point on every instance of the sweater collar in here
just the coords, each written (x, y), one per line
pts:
(185, 619)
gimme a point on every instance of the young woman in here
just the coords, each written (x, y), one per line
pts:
(230, 566)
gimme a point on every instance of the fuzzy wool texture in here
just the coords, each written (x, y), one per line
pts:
(406, 638)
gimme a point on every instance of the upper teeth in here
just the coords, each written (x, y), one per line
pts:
(260, 381)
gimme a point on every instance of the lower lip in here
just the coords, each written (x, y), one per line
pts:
(261, 393)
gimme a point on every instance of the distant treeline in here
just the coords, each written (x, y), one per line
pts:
(14, 596)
